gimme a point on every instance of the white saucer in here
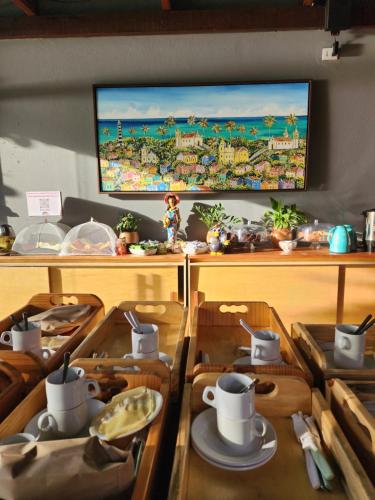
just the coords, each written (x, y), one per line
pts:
(162, 357)
(207, 443)
(94, 406)
(247, 360)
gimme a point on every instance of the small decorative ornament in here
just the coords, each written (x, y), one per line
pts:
(171, 217)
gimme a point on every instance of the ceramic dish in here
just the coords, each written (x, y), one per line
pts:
(109, 410)
(162, 357)
(207, 443)
(137, 250)
(247, 360)
(94, 406)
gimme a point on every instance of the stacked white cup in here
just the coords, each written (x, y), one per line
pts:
(234, 398)
(67, 408)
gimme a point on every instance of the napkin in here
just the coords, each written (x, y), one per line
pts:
(61, 319)
(126, 413)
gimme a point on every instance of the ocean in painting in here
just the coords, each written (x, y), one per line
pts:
(107, 129)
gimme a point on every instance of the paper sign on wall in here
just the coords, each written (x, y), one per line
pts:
(43, 203)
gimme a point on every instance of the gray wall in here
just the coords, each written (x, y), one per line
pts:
(47, 128)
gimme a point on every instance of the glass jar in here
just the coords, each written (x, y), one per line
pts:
(315, 233)
(7, 236)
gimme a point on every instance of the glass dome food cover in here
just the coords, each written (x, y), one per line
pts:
(40, 238)
(90, 238)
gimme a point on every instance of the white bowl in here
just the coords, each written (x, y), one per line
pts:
(288, 246)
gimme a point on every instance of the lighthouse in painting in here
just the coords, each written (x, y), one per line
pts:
(119, 131)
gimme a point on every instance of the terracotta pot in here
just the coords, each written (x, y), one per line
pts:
(281, 235)
(129, 237)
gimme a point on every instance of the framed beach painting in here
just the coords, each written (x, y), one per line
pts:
(202, 138)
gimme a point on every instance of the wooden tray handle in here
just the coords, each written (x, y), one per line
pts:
(362, 416)
(62, 299)
(147, 366)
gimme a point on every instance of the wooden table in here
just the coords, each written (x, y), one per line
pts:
(311, 286)
(113, 279)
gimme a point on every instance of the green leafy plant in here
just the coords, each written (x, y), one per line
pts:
(212, 216)
(127, 224)
(283, 216)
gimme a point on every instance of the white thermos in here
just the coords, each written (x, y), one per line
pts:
(369, 232)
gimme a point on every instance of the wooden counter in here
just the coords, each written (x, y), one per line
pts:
(113, 279)
(306, 285)
(309, 286)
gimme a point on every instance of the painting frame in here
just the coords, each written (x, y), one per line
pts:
(307, 82)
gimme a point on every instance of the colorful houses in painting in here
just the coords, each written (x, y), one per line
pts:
(183, 141)
(285, 142)
(148, 156)
(187, 157)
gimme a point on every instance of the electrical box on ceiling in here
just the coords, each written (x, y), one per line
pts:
(338, 15)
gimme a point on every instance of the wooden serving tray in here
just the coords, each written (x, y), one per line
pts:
(316, 343)
(285, 475)
(32, 368)
(12, 388)
(158, 381)
(216, 332)
(112, 336)
(358, 423)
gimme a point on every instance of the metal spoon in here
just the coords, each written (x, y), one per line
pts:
(247, 327)
(66, 366)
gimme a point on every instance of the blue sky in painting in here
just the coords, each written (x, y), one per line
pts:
(253, 100)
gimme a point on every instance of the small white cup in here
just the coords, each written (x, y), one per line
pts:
(228, 399)
(66, 423)
(265, 346)
(349, 351)
(75, 391)
(145, 344)
(29, 340)
(241, 435)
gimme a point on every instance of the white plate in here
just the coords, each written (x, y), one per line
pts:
(142, 425)
(207, 443)
(94, 406)
(162, 357)
(142, 252)
(247, 360)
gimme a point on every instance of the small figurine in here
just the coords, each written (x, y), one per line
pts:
(171, 217)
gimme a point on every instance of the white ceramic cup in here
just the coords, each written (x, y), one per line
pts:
(349, 351)
(265, 346)
(74, 392)
(29, 340)
(66, 423)
(227, 397)
(145, 345)
(241, 435)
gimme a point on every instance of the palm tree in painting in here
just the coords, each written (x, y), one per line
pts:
(241, 129)
(203, 123)
(191, 120)
(145, 129)
(169, 122)
(269, 122)
(106, 131)
(291, 120)
(230, 126)
(161, 130)
(132, 131)
(216, 128)
(254, 132)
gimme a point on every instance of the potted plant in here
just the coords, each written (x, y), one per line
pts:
(283, 221)
(214, 218)
(127, 229)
